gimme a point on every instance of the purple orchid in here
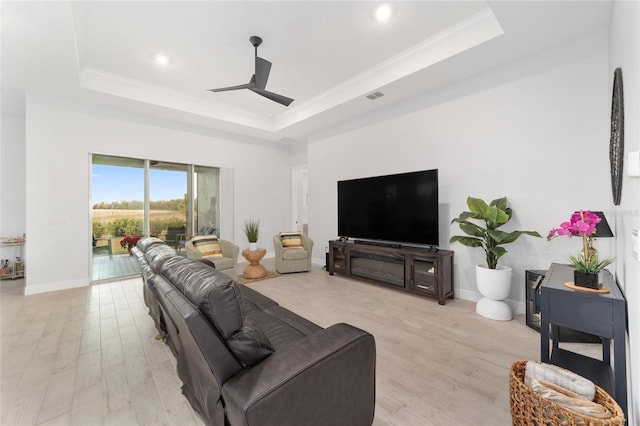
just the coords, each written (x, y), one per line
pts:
(582, 223)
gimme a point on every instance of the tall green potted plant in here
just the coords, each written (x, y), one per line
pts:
(481, 225)
(251, 231)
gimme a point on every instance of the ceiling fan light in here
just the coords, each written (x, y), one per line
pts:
(383, 13)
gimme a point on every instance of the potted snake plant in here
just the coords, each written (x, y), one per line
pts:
(251, 231)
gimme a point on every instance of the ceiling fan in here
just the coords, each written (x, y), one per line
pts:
(259, 79)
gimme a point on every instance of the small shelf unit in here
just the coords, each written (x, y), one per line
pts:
(12, 260)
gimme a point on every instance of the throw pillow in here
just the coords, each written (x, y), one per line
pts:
(250, 345)
(209, 246)
(291, 239)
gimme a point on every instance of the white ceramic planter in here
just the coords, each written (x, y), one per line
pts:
(253, 246)
(494, 286)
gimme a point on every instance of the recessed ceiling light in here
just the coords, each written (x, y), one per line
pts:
(383, 13)
(161, 59)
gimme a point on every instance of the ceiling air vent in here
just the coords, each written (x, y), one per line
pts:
(375, 95)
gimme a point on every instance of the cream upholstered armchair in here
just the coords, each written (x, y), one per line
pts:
(293, 252)
(223, 254)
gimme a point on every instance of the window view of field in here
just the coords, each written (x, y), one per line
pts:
(177, 198)
(116, 220)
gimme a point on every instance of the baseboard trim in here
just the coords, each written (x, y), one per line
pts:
(516, 307)
(54, 286)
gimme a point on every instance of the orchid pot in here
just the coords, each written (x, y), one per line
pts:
(591, 280)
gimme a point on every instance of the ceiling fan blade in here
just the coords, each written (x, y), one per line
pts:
(226, 89)
(262, 72)
(249, 85)
(272, 96)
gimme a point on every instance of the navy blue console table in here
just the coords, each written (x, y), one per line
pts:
(604, 315)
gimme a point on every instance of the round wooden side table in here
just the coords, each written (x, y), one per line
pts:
(254, 269)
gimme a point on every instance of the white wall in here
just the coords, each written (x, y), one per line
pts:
(12, 175)
(541, 140)
(624, 52)
(299, 154)
(61, 134)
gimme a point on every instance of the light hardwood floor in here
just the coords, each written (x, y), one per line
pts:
(88, 356)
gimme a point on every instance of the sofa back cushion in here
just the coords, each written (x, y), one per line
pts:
(144, 243)
(214, 293)
(291, 239)
(208, 245)
(157, 253)
(219, 299)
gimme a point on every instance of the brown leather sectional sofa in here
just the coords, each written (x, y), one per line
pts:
(245, 360)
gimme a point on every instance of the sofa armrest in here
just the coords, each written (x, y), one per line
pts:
(277, 246)
(307, 244)
(192, 251)
(229, 249)
(327, 378)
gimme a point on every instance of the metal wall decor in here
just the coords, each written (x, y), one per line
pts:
(616, 144)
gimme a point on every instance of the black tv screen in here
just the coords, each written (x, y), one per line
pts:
(398, 208)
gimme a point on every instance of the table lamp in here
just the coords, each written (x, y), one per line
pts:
(603, 230)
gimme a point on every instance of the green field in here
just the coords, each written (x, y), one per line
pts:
(110, 214)
(116, 223)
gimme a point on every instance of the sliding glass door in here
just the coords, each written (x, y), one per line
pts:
(168, 202)
(206, 184)
(117, 200)
(132, 198)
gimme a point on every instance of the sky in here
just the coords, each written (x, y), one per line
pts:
(112, 183)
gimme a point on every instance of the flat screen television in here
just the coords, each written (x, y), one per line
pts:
(401, 208)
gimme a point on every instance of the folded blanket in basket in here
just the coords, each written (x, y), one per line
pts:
(570, 400)
(559, 377)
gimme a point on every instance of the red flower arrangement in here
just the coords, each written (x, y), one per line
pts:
(128, 242)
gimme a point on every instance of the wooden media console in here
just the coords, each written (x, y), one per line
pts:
(424, 271)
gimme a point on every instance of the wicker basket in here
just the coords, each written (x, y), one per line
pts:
(529, 408)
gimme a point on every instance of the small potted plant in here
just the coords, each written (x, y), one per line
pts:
(481, 225)
(588, 267)
(251, 231)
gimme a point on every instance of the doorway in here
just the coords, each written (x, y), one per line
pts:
(117, 194)
(300, 199)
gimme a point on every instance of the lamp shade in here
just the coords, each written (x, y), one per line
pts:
(602, 228)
